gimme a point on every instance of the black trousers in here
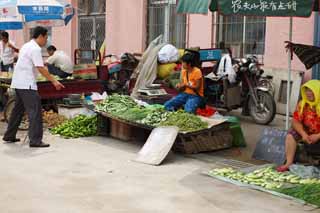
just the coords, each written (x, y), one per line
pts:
(57, 71)
(26, 101)
(5, 68)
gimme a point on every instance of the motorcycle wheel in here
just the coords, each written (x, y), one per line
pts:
(265, 111)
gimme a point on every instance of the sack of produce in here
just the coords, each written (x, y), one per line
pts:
(164, 70)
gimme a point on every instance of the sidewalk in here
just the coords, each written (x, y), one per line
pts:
(251, 132)
(97, 174)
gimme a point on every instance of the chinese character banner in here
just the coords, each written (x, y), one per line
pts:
(297, 8)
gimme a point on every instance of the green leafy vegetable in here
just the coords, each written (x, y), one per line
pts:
(185, 121)
(80, 126)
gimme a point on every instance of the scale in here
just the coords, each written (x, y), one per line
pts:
(153, 90)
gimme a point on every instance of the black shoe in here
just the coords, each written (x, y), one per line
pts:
(40, 145)
(9, 140)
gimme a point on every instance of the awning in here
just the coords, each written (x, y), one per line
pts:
(15, 13)
(193, 6)
(285, 8)
(308, 55)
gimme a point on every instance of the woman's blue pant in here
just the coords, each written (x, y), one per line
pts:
(190, 102)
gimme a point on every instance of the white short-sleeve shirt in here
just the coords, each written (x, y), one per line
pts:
(7, 53)
(62, 61)
(25, 72)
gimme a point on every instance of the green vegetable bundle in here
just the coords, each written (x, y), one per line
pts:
(185, 121)
(125, 107)
(285, 183)
(266, 177)
(135, 114)
(80, 126)
(307, 192)
(155, 117)
(116, 104)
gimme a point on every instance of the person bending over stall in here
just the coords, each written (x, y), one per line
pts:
(305, 124)
(190, 87)
(59, 63)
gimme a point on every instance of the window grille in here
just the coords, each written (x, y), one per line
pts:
(92, 23)
(163, 19)
(245, 35)
(86, 7)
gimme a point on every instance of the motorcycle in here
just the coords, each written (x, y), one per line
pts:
(120, 71)
(251, 91)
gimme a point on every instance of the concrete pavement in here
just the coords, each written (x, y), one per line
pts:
(97, 174)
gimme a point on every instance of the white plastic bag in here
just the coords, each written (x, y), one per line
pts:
(168, 54)
(225, 68)
(97, 96)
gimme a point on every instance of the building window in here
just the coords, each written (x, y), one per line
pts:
(87, 7)
(91, 23)
(245, 35)
(163, 19)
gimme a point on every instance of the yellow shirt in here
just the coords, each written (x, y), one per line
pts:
(193, 77)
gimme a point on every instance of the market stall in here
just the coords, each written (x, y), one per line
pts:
(85, 80)
(124, 118)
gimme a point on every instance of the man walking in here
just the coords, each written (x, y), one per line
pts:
(27, 98)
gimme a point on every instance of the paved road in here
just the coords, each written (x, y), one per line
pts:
(92, 175)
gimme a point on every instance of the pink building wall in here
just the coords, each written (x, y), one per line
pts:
(278, 32)
(125, 26)
(199, 30)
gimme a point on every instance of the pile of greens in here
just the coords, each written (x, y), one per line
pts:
(135, 114)
(267, 177)
(80, 126)
(124, 107)
(116, 104)
(155, 117)
(307, 192)
(185, 121)
(285, 183)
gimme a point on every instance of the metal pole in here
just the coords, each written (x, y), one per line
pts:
(289, 77)
(316, 42)
(244, 36)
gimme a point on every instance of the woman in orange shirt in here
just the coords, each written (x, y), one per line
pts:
(191, 87)
(305, 124)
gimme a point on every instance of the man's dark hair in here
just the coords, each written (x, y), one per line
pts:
(4, 34)
(51, 48)
(39, 31)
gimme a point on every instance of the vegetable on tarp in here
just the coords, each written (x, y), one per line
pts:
(80, 126)
(116, 104)
(185, 121)
(307, 192)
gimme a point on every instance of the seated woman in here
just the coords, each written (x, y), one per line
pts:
(305, 124)
(191, 87)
